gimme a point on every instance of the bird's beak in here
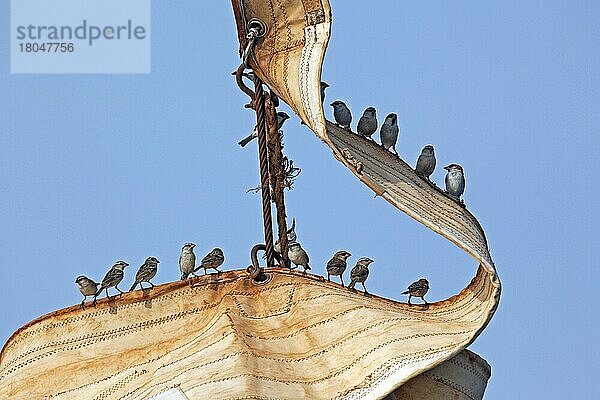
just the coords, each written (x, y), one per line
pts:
(234, 72)
(447, 168)
(331, 104)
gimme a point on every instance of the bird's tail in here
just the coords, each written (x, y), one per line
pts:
(134, 285)
(197, 269)
(184, 276)
(246, 140)
(99, 291)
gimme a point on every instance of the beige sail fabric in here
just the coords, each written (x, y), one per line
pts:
(290, 56)
(289, 59)
(463, 377)
(223, 337)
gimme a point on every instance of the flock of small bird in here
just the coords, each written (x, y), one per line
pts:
(366, 127)
(147, 271)
(388, 134)
(213, 260)
(338, 264)
(359, 274)
(389, 131)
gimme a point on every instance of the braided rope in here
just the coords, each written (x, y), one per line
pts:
(277, 176)
(261, 123)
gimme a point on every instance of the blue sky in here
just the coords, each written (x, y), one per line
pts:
(95, 168)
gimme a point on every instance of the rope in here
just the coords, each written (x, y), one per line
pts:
(257, 29)
(277, 176)
(261, 124)
(270, 158)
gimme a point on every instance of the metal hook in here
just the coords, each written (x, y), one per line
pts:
(256, 29)
(255, 271)
(240, 82)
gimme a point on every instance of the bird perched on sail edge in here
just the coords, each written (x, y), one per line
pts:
(212, 260)
(281, 118)
(298, 256)
(187, 260)
(360, 273)
(455, 181)
(146, 272)
(337, 265)
(426, 162)
(87, 287)
(418, 289)
(367, 124)
(389, 132)
(341, 114)
(113, 277)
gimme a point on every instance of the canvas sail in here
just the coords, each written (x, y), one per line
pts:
(295, 336)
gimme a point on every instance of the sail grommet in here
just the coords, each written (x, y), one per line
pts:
(256, 28)
(262, 279)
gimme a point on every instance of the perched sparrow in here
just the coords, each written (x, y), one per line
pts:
(389, 132)
(187, 260)
(426, 162)
(324, 86)
(367, 124)
(291, 237)
(360, 272)
(418, 289)
(212, 260)
(112, 279)
(298, 256)
(337, 265)
(281, 117)
(341, 113)
(87, 287)
(146, 272)
(455, 181)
